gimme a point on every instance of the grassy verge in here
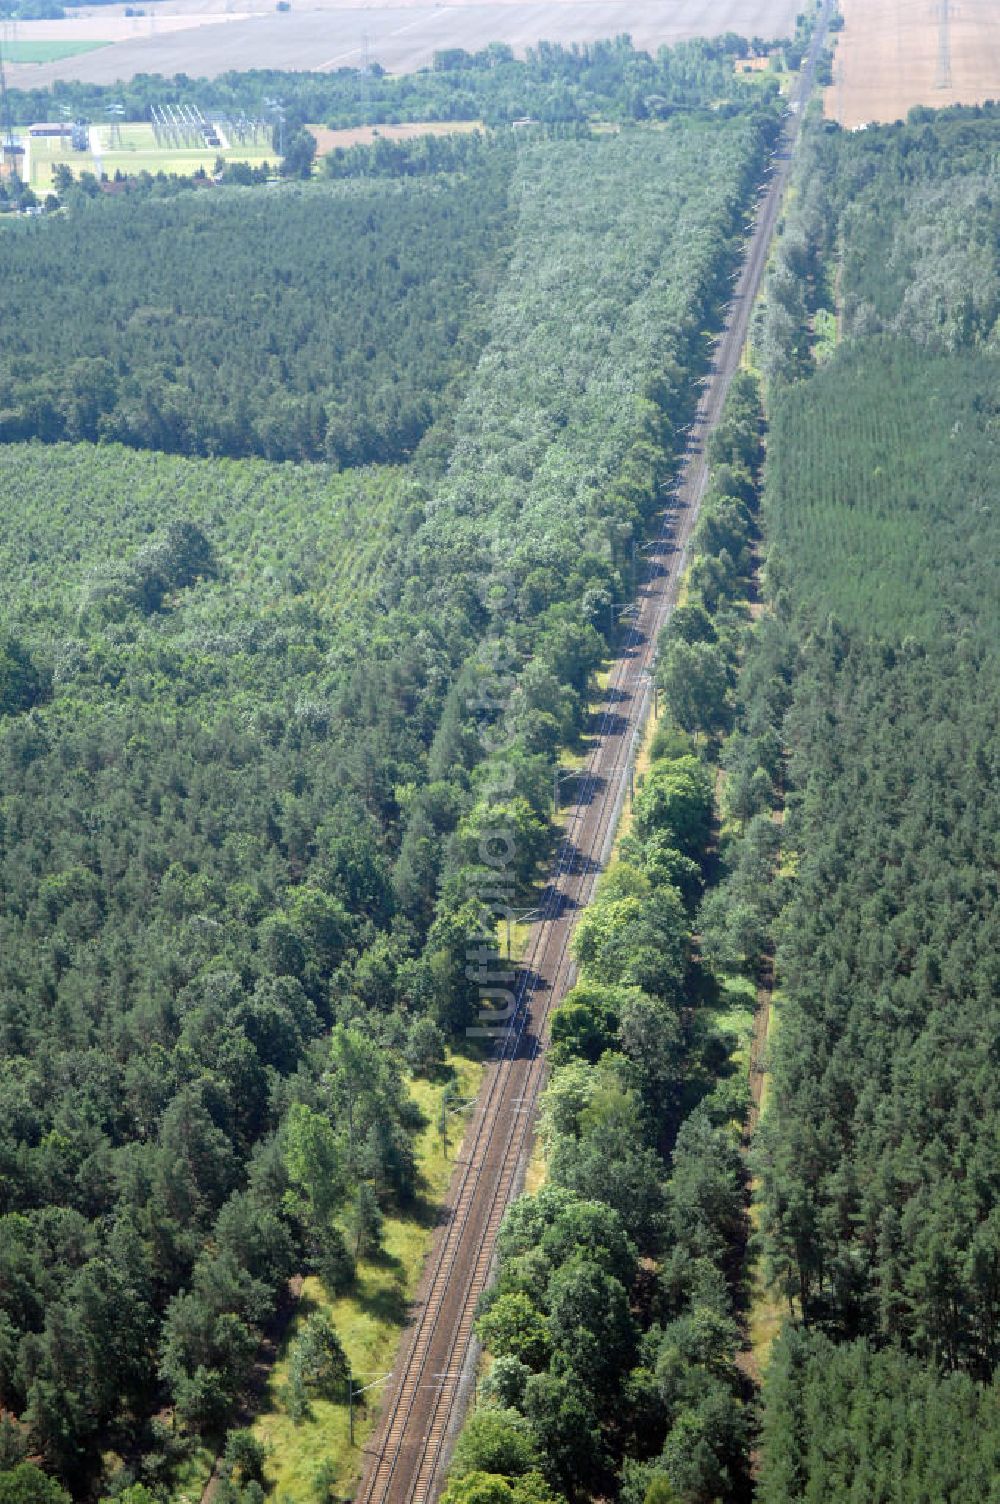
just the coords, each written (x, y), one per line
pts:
(316, 1454)
(734, 1016)
(537, 1172)
(191, 1476)
(520, 937)
(768, 1309)
(642, 763)
(825, 335)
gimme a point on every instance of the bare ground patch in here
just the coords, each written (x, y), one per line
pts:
(363, 135)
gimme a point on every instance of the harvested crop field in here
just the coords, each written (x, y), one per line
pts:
(893, 54)
(401, 36)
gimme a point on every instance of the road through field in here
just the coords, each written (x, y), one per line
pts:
(425, 1401)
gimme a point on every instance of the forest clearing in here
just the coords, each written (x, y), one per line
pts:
(328, 140)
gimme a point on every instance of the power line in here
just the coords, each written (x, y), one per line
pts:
(944, 45)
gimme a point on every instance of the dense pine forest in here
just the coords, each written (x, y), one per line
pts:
(878, 1152)
(204, 325)
(249, 698)
(308, 489)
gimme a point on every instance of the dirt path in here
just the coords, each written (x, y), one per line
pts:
(761, 1026)
(267, 1356)
(758, 1047)
(760, 1318)
(762, 1310)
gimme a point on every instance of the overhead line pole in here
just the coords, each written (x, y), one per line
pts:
(944, 45)
(8, 129)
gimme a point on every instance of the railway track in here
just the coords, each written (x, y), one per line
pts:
(406, 1457)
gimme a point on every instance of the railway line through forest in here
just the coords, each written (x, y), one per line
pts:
(423, 1406)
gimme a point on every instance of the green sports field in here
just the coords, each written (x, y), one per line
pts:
(135, 150)
(21, 51)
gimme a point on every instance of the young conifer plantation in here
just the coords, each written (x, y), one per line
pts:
(276, 462)
(880, 1224)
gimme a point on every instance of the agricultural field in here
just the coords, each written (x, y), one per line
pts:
(606, 80)
(204, 41)
(892, 55)
(241, 669)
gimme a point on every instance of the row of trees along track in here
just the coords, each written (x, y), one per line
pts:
(423, 1405)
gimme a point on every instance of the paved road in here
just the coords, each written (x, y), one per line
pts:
(425, 1402)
